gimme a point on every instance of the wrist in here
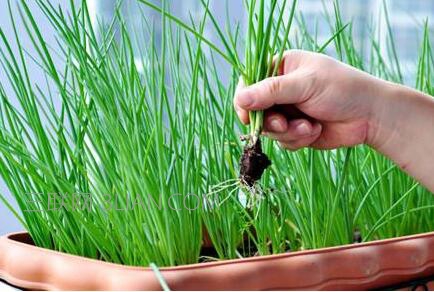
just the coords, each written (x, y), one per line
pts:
(402, 129)
(387, 109)
(401, 125)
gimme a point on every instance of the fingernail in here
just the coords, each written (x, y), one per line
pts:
(276, 125)
(303, 129)
(244, 100)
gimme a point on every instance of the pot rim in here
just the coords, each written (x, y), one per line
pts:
(11, 240)
(355, 266)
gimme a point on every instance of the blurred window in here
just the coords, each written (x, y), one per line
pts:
(406, 18)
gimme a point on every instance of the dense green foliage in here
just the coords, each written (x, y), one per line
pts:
(108, 129)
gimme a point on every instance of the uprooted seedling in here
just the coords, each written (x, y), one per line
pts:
(263, 56)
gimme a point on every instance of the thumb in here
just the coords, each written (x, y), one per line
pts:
(285, 89)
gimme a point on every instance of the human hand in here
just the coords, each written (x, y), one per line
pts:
(314, 101)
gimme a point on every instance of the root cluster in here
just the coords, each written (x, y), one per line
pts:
(253, 163)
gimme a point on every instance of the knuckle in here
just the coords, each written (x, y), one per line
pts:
(291, 60)
(289, 146)
(312, 76)
(273, 86)
(239, 95)
(298, 144)
(292, 53)
(313, 81)
(289, 137)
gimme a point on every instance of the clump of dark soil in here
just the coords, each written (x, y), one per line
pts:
(357, 236)
(253, 163)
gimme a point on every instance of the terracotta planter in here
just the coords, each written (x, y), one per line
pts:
(353, 267)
